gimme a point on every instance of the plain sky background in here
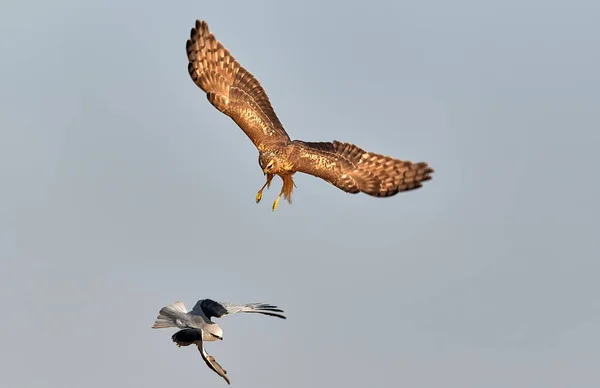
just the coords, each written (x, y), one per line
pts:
(123, 190)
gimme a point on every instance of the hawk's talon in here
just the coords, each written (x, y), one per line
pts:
(267, 184)
(275, 203)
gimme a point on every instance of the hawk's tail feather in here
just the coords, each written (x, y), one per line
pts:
(168, 315)
(288, 187)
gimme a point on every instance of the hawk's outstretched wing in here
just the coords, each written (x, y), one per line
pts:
(232, 89)
(210, 309)
(354, 170)
(187, 337)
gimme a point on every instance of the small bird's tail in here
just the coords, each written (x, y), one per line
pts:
(168, 315)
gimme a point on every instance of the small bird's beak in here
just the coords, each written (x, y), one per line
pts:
(221, 338)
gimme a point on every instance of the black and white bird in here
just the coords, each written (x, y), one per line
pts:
(197, 326)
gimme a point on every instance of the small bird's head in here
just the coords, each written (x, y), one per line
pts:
(268, 162)
(214, 331)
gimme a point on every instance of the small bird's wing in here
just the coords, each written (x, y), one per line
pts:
(187, 337)
(354, 170)
(232, 89)
(210, 308)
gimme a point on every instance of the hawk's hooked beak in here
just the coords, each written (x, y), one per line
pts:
(265, 171)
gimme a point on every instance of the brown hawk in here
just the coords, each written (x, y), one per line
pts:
(234, 91)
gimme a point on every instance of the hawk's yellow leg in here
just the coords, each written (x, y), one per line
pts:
(277, 200)
(267, 184)
(286, 190)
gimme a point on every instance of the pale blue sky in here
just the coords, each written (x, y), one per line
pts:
(123, 189)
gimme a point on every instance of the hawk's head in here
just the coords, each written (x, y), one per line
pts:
(268, 162)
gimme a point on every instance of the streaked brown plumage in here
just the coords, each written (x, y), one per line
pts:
(236, 93)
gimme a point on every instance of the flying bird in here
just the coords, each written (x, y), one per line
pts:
(235, 92)
(196, 326)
